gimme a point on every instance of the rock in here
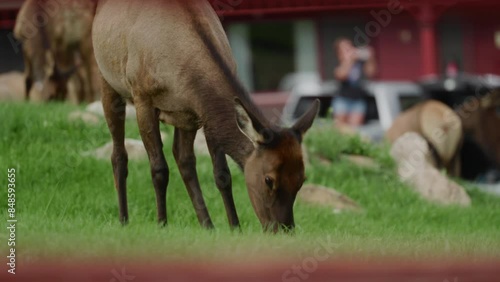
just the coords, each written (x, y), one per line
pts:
(436, 187)
(200, 144)
(412, 149)
(358, 160)
(163, 136)
(416, 167)
(361, 161)
(12, 86)
(323, 160)
(131, 113)
(327, 197)
(86, 117)
(97, 109)
(493, 189)
(135, 149)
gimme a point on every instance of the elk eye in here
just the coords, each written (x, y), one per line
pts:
(269, 182)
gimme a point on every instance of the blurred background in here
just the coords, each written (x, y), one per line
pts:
(275, 38)
(437, 70)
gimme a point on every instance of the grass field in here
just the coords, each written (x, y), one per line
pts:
(66, 203)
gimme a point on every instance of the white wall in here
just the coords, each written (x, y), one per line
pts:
(306, 46)
(239, 38)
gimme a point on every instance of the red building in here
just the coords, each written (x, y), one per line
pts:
(412, 39)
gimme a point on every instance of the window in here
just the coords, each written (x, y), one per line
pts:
(272, 53)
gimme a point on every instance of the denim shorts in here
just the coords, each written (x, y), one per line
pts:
(343, 105)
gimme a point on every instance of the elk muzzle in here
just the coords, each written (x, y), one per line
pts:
(275, 211)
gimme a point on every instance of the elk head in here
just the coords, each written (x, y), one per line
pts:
(274, 171)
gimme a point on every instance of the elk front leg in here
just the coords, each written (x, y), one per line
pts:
(28, 75)
(114, 110)
(186, 162)
(223, 181)
(149, 127)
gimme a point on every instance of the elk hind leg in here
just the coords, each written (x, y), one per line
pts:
(114, 110)
(149, 127)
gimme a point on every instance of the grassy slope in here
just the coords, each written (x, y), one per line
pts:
(67, 205)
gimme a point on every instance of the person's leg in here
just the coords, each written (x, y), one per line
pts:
(340, 110)
(357, 112)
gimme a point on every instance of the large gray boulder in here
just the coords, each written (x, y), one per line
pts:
(86, 117)
(135, 150)
(361, 161)
(97, 109)
(416, 167)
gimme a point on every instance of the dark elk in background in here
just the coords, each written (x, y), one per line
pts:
(465, 142)
(57, 49)
(481, 151)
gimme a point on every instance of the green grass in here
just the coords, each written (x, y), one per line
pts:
(66, 203)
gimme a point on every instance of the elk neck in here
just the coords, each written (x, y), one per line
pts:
(217, 97)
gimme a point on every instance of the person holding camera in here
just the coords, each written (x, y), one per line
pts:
(355, 65)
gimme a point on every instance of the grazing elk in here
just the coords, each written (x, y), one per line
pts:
(56, 44)
(439, 125)
(172, 58)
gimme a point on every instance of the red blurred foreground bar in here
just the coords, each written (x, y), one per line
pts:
(396, 271)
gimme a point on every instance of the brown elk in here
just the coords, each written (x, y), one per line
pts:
(172, 58)
(481, 119)
(56, 38)
(439, 125)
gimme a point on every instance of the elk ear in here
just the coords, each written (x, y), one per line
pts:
(248, 124)
(306, 120)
